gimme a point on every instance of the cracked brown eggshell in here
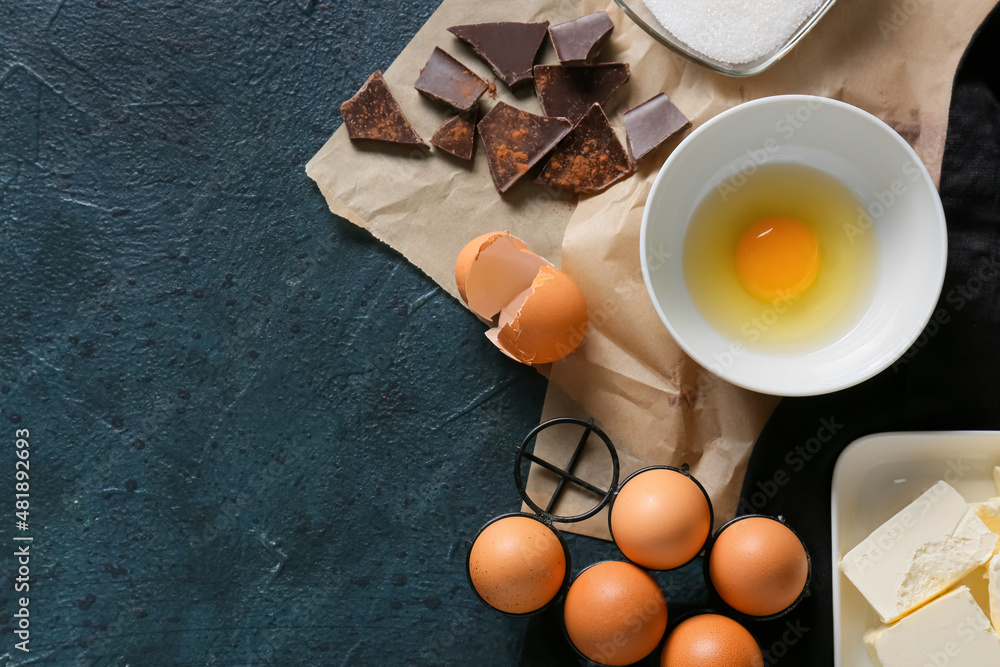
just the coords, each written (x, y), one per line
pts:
(538, 314)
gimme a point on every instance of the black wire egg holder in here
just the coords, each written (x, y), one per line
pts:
(567, 477)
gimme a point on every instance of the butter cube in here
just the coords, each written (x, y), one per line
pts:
(924, 549)
(951, 630)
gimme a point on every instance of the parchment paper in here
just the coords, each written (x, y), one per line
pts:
(893, 58)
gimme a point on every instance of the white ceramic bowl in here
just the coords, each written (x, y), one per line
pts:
(878, 166)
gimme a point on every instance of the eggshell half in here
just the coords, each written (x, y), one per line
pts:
(549, 322)
(660, 519)
(502, 269)
(758, 566)
(615, 613)
(517, 564)
(710, 640)
(468, 255)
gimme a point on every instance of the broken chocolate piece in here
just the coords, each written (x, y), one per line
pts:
(589, 159)
(446, 80)
(516, 140)
(457, 136)
(508, 48)
(578, 42)
(373, 113)
(651, 123)
(568, 92)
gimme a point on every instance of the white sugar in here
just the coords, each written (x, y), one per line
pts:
(733, 31)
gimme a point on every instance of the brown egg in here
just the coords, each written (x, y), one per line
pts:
(517, 564)
(660, 518)
(758, 566)
(615, 613)
(710, 640)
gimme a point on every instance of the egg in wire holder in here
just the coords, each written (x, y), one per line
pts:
(720, 602)
(634, 552)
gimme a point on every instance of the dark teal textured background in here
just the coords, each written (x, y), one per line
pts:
(258, 436)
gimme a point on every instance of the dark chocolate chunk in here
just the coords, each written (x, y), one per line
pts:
(651, 123)
(457, 136)
(568, 92)
(373, 113)
(589, 159)
(516, 140)
(508, 48)
(578, 42)
(446, 80)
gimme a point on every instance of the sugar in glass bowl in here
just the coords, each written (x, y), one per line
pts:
(734, 37)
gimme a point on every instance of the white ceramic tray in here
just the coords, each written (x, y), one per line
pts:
(875, 477)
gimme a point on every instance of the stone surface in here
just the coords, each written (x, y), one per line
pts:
(257, 435)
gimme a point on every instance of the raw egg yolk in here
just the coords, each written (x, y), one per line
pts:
(777, 258)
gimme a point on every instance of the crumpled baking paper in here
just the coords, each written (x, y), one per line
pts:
(893, 58)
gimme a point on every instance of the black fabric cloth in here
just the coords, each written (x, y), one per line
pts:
(948, 380)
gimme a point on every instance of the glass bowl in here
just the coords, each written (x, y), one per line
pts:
(645, 19)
